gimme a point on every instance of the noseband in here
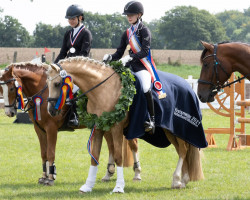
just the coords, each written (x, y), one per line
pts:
(215, 87)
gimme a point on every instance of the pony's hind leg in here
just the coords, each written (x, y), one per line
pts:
(181, 149)
(137, 168)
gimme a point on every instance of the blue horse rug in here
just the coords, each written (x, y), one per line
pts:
(179, 113)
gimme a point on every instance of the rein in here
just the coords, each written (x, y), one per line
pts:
(217, 87)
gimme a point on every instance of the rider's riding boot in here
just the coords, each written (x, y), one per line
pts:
(73, 119)
(150, 125)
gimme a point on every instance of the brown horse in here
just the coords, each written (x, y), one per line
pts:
(218, 62)
(32, 78)
(87, 73)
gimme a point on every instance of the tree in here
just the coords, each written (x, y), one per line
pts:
(12, 33)
(236, 24)
(106, 29)
(46, 35)
(157, 38)
(183, 27)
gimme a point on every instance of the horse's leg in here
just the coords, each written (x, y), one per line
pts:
(133, 144)
(43, 147)
(181, 149)
(96, 149)
(185, 171)
(117, 134)
(111, 162)
(51, 130)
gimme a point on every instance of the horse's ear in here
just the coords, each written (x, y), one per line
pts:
(207, 46)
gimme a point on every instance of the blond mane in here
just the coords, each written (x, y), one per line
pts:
(83, 60)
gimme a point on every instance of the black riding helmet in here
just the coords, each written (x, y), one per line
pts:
(74, 11)
(133, 7)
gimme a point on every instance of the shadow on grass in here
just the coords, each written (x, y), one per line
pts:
(63, 190)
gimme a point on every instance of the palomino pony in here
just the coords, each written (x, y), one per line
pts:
(86, 74)
(32, 78)
(219, 61)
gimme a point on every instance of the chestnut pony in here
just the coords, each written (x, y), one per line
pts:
(218, 62)
(86, 74)
(32, 78)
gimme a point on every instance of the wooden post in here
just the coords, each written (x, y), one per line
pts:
(15, 56)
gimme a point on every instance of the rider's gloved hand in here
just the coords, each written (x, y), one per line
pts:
(126, 59)
(107, 58)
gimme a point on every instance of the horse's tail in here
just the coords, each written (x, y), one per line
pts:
(194, 163)
(127, 154)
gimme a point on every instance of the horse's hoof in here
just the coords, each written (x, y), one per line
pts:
(49, 182)
(118, 189)
(178, 186)
(105, 179)
(41, 180)
(137, 179)
(85, 189)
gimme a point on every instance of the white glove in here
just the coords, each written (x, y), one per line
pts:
(126, 59)
(107, 58)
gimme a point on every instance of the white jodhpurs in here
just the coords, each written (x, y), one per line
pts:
(145, 79)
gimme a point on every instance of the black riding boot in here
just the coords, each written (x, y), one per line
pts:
(150, 126)
(73, 119)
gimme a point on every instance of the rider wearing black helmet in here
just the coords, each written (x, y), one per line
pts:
(134, 11)
(76, 42)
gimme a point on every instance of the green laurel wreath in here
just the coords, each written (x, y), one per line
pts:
(108, 119)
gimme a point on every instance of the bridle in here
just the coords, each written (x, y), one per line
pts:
(215, 87)
(83, 94)
(16, 99)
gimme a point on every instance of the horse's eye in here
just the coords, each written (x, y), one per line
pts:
(205, 65)
(12, 89)
(57, 84)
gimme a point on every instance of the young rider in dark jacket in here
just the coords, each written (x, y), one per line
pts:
(76, 42)
(134, 11)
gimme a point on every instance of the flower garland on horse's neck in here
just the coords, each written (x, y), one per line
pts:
(108, 119)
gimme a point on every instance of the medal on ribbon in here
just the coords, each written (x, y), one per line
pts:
(37, 111)
(73, 39)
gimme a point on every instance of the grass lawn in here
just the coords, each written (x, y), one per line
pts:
(226, 173)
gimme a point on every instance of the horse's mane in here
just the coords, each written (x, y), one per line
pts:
(84, 60)
(224, 42)
(29, 66)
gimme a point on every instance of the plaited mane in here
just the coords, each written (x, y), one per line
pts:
(84, 60)
(29, 66)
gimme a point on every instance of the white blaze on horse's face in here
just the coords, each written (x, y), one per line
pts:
(9, 96)
(54, 81)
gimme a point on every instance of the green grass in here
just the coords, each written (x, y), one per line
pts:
(183, 70)
(226, 173)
